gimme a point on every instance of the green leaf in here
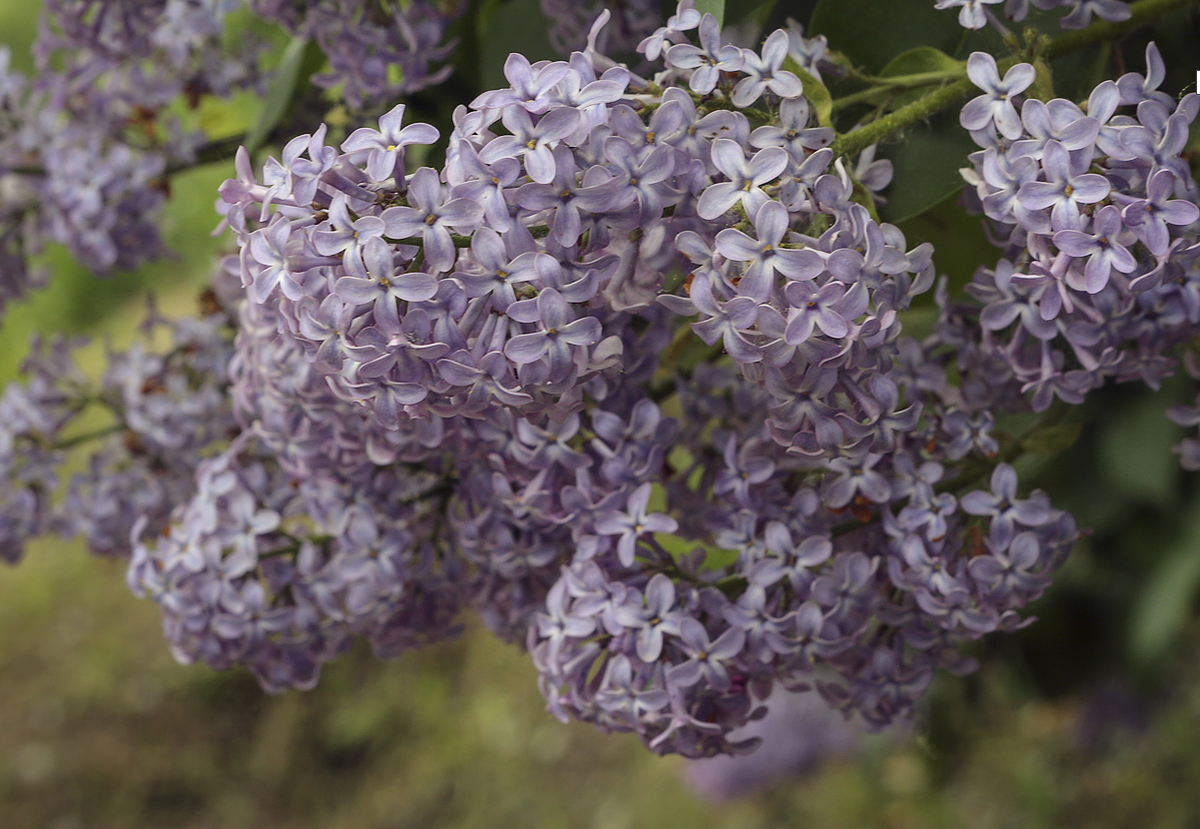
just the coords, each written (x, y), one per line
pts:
(1162, 606)
(816, 92)
(1052, 439)
(749, 14)
(226, 117)
(873, 32)
(714, 7)
(958, 238)
(926, 163)
(715, 558)
(919, 61)
(279, 96)
(935, 67)
(1135, 451)
(512, 26)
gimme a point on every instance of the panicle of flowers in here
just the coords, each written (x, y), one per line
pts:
(377, 51)
(754, 569)
(626, 376)
(504, 279)
(137, 54)
(278, 574)
(501, 322)
(165, 406)
(168, 394)
(33, 416)
(1096, 211)
(20, 235)
(88, 140)
(310, 527)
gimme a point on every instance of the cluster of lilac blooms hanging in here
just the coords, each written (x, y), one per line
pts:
(87, 144)
(626, 377)
(1096, 212)
(83, 159)
(463, 387)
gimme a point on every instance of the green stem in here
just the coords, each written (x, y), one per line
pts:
(929, 105)
(854, 142)
(708, 104)
(287, 550)
(853, 98)
(885, 86)
(89, 436)
(222, 150)
(919, 78)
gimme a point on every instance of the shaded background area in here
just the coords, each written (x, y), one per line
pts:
(1088, 718)
(100, 728)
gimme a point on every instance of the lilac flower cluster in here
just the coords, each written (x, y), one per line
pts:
(19, 225)
(136, 54)
(32, 416)
(475, 373)
(1097, 214)
(626, 374)
(975, 14)
(431, 293)
(278, 574)
(166, 408)
(86, 143)
(376, 51)
(857, 576)
(172, 409)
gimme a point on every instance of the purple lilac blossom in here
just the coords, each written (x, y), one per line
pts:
(167, 408)
(95, 131)
(376, 53)
(1097, 218)
(452, 389)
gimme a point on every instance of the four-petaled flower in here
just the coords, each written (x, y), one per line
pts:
(709, 59)
(559, 330)
(1102, 247)
(634, 522)
(384, 148)
(432, 218)
(996, 104)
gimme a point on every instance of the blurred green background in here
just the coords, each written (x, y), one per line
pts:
(1087, 719)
